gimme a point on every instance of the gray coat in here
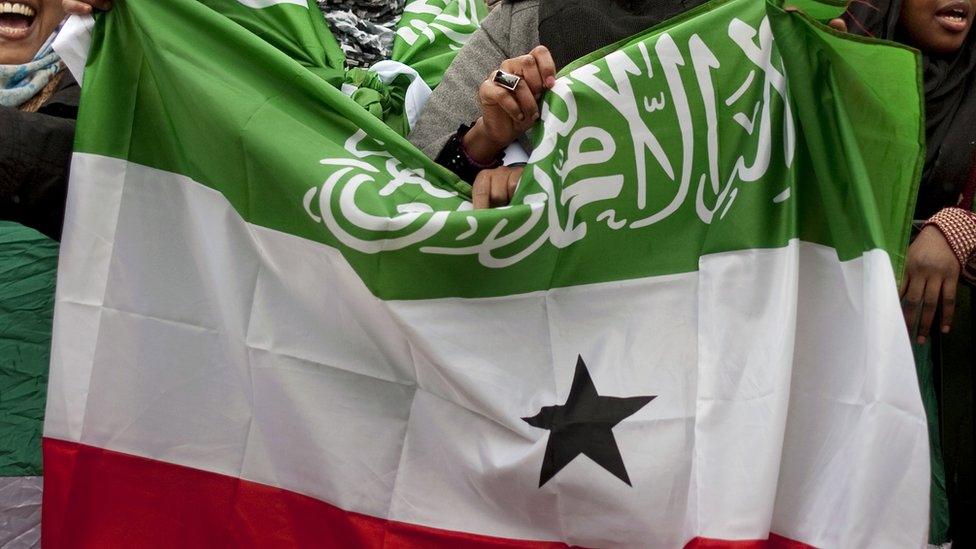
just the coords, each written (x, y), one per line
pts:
(509, 30)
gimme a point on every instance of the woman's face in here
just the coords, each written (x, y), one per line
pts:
(937, 27)
(24, 26)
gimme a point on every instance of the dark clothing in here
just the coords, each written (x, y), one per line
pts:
(954, 358)
(950, 127)
(561, 27)
(35, 152)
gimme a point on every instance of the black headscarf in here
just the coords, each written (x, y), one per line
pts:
(574, 28)
(950, 108)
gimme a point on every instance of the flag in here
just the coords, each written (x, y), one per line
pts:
(27, 264)
(428, 37)
(279, 324)
(431, 32)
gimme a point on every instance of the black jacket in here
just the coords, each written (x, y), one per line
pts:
(35, 153)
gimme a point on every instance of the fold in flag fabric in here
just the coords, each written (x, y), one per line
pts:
(28, 261)
(279, 324)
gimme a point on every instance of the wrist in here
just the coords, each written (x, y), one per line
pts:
(480, 146)
(958, 227)
(454, 157)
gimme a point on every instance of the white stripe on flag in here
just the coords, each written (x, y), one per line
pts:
(186, 335)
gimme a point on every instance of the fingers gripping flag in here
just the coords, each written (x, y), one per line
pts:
(279, 324)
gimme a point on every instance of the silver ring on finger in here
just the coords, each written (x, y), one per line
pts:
(506, 80)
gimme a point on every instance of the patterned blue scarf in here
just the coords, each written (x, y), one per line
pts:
(19, 83)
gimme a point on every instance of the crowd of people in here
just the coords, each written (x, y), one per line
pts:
(470, 121)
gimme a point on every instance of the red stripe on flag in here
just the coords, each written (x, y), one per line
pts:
(774, 542)
(100, 498)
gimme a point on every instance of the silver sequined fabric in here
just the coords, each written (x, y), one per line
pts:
(365, 29)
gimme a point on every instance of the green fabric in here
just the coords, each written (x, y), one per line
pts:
(300, 33)
(380, 99)
(821, 10)
(852, 111)
(429, 35)
(403, 222)
(28, 261)
(431, 32)
(852, 118)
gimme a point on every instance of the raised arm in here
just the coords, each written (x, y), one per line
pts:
(456, 99)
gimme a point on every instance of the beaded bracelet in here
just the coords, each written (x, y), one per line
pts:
(455, 158)
(958, 226)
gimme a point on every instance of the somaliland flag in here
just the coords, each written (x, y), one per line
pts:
(279, 324)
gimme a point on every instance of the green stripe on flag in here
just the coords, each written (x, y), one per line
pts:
(864, 136)
(28, 261)
(298, 31)
(431, 32)
(687, 141)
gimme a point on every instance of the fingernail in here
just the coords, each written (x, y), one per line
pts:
(921, 340)
(550, 82)
(945, 329)
(521, 117)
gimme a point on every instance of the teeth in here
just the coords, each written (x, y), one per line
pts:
(954, 15)
(19, 9)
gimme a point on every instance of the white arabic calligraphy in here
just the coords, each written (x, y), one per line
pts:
(553, 215)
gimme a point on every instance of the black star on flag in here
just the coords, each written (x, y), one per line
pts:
(584, 425)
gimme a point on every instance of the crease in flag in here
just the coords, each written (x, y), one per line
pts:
(263, 284)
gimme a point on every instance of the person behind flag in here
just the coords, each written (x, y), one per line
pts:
(941, 260)
(470, 120)
(946, 244)
(38, 105)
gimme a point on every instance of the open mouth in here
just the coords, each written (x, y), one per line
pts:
(954, 17)
(16, 20)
